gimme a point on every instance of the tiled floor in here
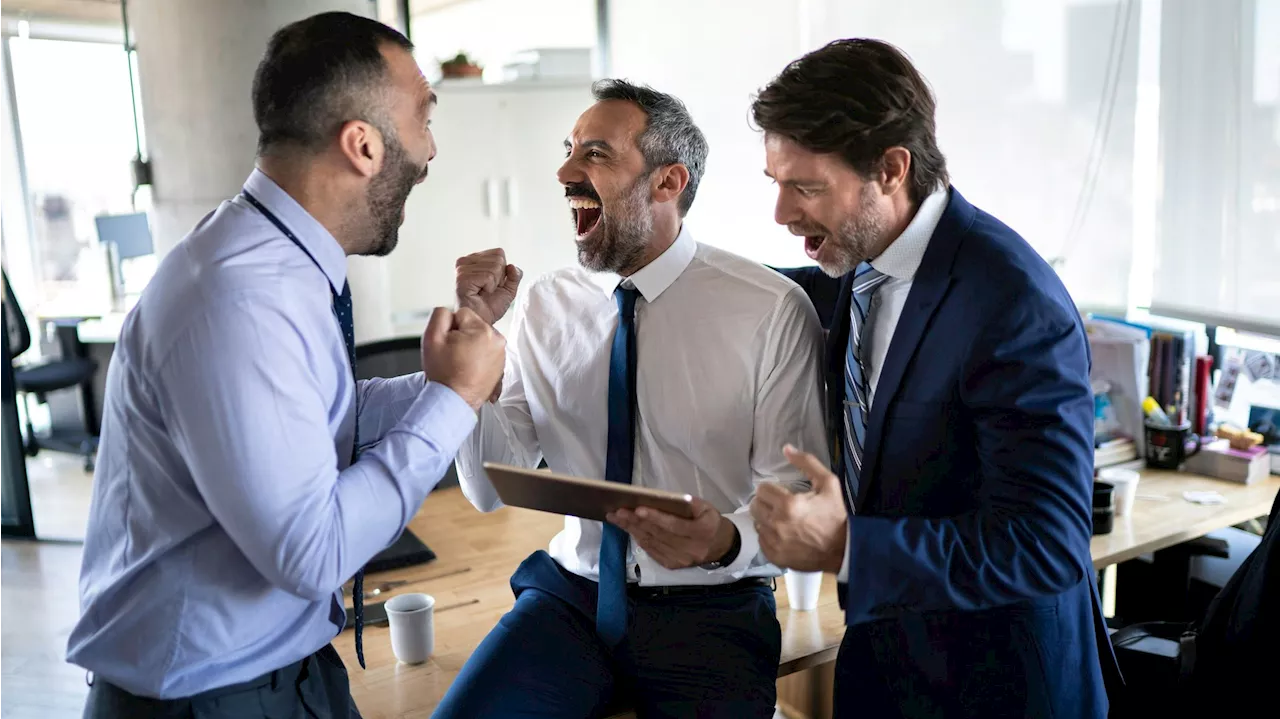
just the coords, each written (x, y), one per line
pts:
(38, 610)
(60, 491)
(39, 601)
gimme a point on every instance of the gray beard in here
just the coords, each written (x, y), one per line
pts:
(623, 236)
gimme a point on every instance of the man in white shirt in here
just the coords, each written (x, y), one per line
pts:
(658, 362)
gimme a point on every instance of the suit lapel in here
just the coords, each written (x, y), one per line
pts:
(928, 288)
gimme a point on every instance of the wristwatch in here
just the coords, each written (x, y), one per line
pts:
(734, 547)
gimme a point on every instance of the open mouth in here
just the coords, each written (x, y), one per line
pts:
(813, 245)
(586, 214)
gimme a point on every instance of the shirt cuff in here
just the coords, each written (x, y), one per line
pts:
(750, 543)
(843, 575)
(440, 417)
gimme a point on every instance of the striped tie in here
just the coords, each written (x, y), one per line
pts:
(856, 402)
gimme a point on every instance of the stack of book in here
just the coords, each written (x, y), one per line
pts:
(1170, 370)
(1114, 451)
(1218, 459)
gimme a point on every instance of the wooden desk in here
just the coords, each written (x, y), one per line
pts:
(478, 553)
(1155, 524)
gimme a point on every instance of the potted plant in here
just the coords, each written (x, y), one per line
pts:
(460, 66)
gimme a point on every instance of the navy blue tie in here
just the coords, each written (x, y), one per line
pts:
(342, 308)
(856, 401)
(611, 603)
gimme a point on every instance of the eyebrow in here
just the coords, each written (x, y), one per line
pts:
(599, 144)
(802, 182)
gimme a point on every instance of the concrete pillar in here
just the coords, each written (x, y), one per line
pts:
(196, 61)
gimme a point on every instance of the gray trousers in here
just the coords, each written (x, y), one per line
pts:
(315, 687)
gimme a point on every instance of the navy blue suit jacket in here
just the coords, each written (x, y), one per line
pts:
(971, 591)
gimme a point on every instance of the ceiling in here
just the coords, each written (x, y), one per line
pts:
(79, 11)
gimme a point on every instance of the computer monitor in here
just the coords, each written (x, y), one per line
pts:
(129, 234)
(126, 238)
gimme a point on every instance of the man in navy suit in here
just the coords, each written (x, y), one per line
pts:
(958, 514)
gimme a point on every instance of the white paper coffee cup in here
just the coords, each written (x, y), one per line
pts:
(412, 621)
(1126, 483)
(803, 589)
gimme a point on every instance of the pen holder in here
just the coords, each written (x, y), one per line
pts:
(1167, 445)
(1104, 507)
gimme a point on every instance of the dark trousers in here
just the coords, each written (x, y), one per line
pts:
(314, 687)
(712, 654)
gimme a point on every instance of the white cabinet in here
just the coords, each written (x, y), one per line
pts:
(492, 184)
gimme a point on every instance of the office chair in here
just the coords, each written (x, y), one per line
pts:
(392, 358)
(45, 377)
(1221, 665)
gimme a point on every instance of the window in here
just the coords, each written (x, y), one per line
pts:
(75, 112)
(1217, 248)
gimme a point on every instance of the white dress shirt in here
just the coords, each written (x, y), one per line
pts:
(899, 261)
(729, 369)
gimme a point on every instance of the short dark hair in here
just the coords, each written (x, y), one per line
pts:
(318, 74)
(857, 98)
(670, 137)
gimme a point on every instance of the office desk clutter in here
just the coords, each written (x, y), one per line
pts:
(1125, 482)
(1118, 377)
(1104, 507)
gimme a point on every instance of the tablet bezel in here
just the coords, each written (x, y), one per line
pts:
(547, 491)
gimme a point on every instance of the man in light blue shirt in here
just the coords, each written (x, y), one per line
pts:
(227, 510)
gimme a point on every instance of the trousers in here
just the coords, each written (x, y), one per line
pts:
(315, 687)
(702, 654)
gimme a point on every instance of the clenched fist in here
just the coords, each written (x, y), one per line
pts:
(463, 352)
(487, 284)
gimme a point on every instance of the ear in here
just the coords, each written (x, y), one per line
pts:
(361, 144)
(669, 182)
(895, 171)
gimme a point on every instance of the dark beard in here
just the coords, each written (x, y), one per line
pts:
(624, 233)
(387, 193)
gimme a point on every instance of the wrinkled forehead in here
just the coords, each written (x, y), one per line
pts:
(615, 125)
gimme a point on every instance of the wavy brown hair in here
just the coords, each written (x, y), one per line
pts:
(857, 98)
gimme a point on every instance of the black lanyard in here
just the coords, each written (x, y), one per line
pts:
(333, 305)
(333, 294)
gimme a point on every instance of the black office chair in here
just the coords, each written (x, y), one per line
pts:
(1221, 665)
(45, 377)
(392, 358)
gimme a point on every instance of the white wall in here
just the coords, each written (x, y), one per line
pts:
(714, 56)
(491, 31)
(1019, 86)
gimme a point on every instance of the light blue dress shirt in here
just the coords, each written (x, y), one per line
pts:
(225, 517)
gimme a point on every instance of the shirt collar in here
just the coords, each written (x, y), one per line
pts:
(903, 256)
(654, 278)
(310, 233)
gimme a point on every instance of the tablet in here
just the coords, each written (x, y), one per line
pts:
(578, 497)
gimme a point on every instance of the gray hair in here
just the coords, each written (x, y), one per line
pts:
(669, 138)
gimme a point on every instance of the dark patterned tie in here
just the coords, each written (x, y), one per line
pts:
(611, 602)
(342, 308)
(856, 402)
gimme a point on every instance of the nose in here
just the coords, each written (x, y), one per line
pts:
(570, 172)
(786, 211)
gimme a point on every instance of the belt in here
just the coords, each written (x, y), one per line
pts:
(636, 591)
